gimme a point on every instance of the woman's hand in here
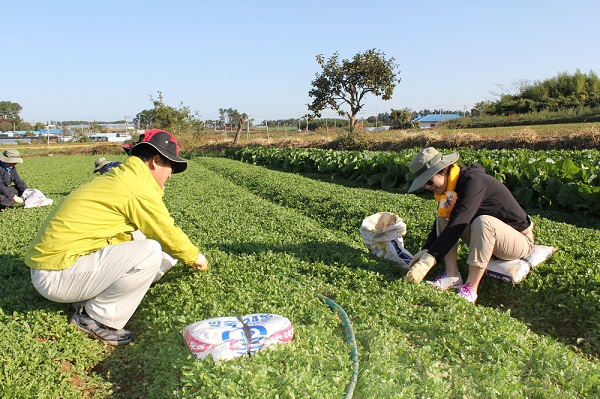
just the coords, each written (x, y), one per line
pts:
(417, 257)
(419, 270)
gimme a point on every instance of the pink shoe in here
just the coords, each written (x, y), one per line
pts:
(444, 281)
(468, 293)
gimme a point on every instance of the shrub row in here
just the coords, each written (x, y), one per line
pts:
(557, 179)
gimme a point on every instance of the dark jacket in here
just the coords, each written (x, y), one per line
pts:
(7, 178)
(478, 194)
(109, 166)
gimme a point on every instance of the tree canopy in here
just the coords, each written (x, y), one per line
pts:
(163, 116)
(9, 115)
(10, 110)
(230, 116)
(346, 83)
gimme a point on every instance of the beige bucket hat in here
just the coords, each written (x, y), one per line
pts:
(10, 155)
(99, 163)
(426, 164)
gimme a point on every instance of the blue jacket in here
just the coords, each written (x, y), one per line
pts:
(7, 178)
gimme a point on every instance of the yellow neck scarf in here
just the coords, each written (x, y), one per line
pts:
(448, 199)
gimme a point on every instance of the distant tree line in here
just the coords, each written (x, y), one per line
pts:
(561, 99)
(562, 92)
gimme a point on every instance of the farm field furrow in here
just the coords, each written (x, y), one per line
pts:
(273, 239)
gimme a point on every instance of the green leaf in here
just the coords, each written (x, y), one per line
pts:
(388, 181)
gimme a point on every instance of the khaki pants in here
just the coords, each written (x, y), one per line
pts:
(487, 236)
(112, 281)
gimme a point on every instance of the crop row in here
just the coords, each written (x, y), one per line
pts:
(556, 179)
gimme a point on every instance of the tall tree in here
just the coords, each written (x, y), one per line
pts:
(9, 110)
(162, 116)
(402, 118)
(243, 119)
(9, 116)
(347, 83)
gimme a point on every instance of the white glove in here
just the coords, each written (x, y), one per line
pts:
(418, 271)
(201, 263)
(417, 257)
(18, 199)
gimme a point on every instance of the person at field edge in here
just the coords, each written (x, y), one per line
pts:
(103, 165)
(11, 184)
(474, 207)
(85, 252)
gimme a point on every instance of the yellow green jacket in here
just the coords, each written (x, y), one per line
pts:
(106, 211)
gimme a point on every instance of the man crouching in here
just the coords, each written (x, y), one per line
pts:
(85, 254)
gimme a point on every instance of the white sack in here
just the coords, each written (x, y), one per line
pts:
(514, 271)
(32, 197)
(226, 337)
(382, 233)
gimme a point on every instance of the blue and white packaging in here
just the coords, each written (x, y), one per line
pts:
(228, 337)
(514, 271)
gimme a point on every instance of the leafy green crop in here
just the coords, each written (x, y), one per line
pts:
(258, 226)
(547, 179)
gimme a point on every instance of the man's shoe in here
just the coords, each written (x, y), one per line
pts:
(78, 306)
(98, 330)
(443, 282)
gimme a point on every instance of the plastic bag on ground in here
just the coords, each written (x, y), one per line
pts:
(514, 271)
(32, 197)
(228, 337)
(383, 234)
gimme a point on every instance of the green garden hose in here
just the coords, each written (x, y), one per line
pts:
(350, 338)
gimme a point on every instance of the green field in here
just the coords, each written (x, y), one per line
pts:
(273, 240)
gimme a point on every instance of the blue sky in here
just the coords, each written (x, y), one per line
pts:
(102, 60)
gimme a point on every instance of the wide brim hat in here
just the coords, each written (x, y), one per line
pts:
(427, 163)
(127, 146)
(166, 145)
(100, 163)
(10, 155)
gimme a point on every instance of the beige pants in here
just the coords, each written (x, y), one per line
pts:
(167, 260)
(487, 236)
(112, 281)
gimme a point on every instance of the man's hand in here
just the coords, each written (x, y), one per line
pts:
(201, 263)
(417, 257)
(418, 271)
(18, 199)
